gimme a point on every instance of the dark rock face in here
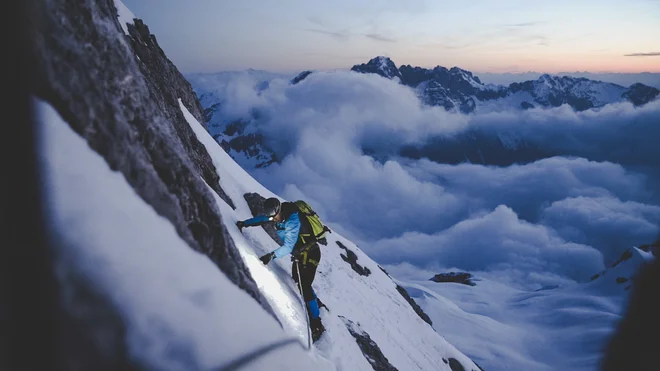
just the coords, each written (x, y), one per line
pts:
(632, 346)
(453, 89)
(384, 271)
(547, 288)
(382, 66)
(455, 365)
(301, 76)
(457, 277)
(653, 248)
(640, 94)
(625, 256)
(369, 348)
(477, 147)
(121, 94)
(233, 139)
(351, 259)
(414, 305)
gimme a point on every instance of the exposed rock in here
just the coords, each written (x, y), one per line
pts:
(640, 94)
(351, 259)
(384, 271)
(382, 66)
(625, 256)
(457, 277)
(369, 348)
(455, 365)
(632, 347)
(547, 287)
(653, 248)
(414, 305)
(301, 76)
(121, 94)
(621, 280)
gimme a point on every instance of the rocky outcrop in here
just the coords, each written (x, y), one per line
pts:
(414, 305)
(369, 348)
(120, 93)
(382, 66)
(457, 277)
(301, 76)
(351, 259)
(632, 347)
(640, 94)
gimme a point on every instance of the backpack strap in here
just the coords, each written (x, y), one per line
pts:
(316, 237)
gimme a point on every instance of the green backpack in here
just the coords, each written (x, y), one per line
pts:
(318, 229)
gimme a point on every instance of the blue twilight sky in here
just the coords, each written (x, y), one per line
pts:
(478, 35)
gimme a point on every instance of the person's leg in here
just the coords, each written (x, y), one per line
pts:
(307, 274)
(294, 273)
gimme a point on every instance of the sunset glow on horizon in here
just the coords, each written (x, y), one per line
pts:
(482, 36)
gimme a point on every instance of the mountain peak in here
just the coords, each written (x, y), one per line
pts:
(380, 65)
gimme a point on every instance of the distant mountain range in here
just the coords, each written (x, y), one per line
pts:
(619, 78)
(456, 89)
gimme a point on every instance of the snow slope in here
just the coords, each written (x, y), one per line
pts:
(372, 301)
(505, 328)
(192, 316)
(182, 313)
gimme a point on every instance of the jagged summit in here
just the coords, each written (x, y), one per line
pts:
(380, 65)
(460, 90)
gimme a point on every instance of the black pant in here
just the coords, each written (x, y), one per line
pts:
(308, 262)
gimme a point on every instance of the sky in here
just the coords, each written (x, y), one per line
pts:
(480, 35)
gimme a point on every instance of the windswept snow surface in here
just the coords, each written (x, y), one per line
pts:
(180, 311)
(372, 301)
(504, 328)
(124, 15)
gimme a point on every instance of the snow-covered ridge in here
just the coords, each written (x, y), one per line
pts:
(459, 90)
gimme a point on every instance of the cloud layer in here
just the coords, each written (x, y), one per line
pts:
(552, 220)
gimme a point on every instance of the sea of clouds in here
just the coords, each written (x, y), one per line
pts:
(557, 220)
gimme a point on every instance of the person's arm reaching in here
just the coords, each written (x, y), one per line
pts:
(252, 222)
(257, 220)
(291, 230)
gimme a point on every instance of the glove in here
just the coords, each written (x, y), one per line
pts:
(240, 225)
(267, 258)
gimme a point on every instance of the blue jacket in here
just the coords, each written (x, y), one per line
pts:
(287, 230)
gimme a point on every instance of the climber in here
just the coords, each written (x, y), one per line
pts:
(301, 242)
